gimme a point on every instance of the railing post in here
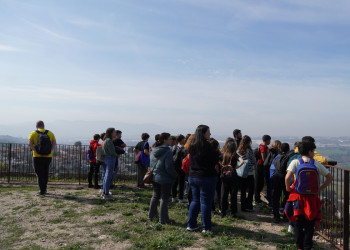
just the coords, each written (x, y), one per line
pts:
(346, 210)
(79, 163)
(9, 159)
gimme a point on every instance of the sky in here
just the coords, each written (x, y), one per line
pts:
(266, 67)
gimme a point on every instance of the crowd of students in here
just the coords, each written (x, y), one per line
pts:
(196, 166)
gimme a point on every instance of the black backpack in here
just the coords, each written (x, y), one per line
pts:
(178, 156)
(227, 172)
(269, 158)
(256, 153)
(281, 163)
(44, 145)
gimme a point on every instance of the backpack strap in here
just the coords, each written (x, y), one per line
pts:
(301, 160)
(46, 131)
(144, 145)
(312, 161)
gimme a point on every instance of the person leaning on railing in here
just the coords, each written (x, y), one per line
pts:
(304, 205)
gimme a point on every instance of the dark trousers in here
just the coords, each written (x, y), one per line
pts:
(304, 231)
(229, 187)
(269, 185)
(180, 181)
(217, 199)
(94, 172)
(141, 171)
(278, 187)
(259, 181)
(246, 183)
(41, 167)
(160, 191)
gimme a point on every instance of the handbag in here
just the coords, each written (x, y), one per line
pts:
(243, 170)
(148, 178)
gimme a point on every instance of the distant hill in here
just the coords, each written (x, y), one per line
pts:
(8, 138)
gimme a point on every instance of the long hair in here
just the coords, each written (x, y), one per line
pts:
(187, 144)
(277, 145)
(109, 133)
(245, 145)
(162, 138)
(198, 142)
(223, 149)
(229, 151)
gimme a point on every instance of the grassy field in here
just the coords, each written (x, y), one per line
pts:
(74, 217)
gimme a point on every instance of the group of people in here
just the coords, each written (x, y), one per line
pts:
(210, 172)
(213, 172)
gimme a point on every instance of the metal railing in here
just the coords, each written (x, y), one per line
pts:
(69, 163)
(334, 225)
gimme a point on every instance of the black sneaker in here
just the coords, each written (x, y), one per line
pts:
(90, 186)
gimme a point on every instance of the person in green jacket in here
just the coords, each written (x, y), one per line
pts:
(164, 175)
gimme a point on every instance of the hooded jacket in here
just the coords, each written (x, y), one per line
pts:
(164, 172)
(94, 144)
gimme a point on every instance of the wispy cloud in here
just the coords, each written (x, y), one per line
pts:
(50, 32)
(8, 48)
(291, 11)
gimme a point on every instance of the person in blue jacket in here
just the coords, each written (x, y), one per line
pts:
(164, 175)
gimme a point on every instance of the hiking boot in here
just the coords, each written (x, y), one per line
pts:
(290, 229)
(90, 186)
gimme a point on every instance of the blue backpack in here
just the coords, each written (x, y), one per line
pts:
(306, 177)
(272, 167)
(90, 154)
(144, 159)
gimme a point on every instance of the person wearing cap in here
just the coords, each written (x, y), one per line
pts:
(238, 136)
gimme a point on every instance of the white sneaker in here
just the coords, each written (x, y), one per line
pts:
(192, 229)
(290, 229)
(206, 231)
(101, 192)
(174, 200)
(108, 197)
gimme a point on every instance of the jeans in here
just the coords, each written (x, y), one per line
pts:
(41, 167)
(108, 166)
(160, 191)
(203, 191)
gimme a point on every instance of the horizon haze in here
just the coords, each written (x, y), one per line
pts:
(271, 67)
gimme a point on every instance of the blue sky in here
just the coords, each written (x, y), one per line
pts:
(276, 67)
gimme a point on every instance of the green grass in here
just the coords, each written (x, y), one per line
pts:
(82, 220)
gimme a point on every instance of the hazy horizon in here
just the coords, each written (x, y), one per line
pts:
(271, 67)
